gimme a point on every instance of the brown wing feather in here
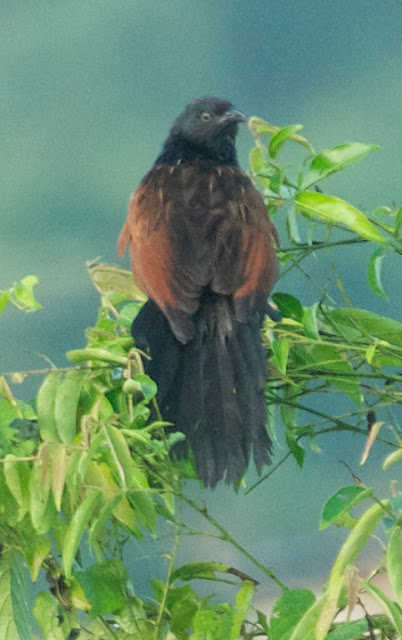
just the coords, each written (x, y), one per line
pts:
(189, 227)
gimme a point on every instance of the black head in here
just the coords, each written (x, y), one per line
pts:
(206, 129)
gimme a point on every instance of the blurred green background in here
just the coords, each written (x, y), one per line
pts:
(88, 91)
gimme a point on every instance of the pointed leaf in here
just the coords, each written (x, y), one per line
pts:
(47, 612)
(8, 629)
(374, 273)
(35, 553)
(394, 562)
(45, 406)
(104, 585)
(371, 438)
(19, 598)
(67, 397)
(335, 159)
(280, 138)
(310, 322)
(198, 571)
(23, 294)
(17, 476)
(76, 529)
(340, 502)
(398, 224)
(393, 457)
(288, 306)
(59, 470)
(349, 630)
(390, 609)
(335, 210)
(213, 622)
(348, 554)
(305, 628)
(243, 604)
(288, 611)
(40, 506)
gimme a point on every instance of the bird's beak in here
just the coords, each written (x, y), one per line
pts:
(232, 115)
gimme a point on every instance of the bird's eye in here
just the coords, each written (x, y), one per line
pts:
(205, 116)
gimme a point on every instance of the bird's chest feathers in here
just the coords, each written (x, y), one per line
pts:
(190, 194)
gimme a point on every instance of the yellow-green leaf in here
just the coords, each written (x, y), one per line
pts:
(59, 470)
(374, 273)
(77, 526)
(394, 562)
(45, 406)
(332, 160)
(335, 210)
(67, 397)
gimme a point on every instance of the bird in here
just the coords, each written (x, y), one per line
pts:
(203, 249)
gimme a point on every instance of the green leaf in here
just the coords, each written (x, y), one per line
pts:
(35, 553)
(19, 598)
(213, 622)
(390, 609)
(47, 614)
(289, 414)
(374, 273)
(398, 224)
(66, 406)
(17, 476)
(4, 300)
(42, 509)
(356, 323)
(8, 628)
(183, 603)
(348, 554)
(23, 295)
(332, 160)
(121, 454)
(392, 458)
(100, 476)
(148, 386)
(292, 226)
(288, 610)
(321, 358)
(59, 471)
(309, 321)
(280, 350)
(45, 406)
(104, 585)
(198, 571)
(257, 160)
(84, 355)
(259, 126)
(305, 628)
(278, 140)
(335, 210)
(76, 529)
(336, 508)
(243, 604)
(348, 630)
(289, 306)
(394, 562)
(104, 514)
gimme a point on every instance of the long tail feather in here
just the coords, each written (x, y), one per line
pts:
(211, 388)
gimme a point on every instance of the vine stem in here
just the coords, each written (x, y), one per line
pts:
(225, 535)
(172, 560)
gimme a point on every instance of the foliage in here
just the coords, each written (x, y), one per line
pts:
(86, 466)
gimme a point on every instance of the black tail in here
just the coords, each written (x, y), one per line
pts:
(211, 388)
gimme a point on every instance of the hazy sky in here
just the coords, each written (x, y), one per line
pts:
(89, 89)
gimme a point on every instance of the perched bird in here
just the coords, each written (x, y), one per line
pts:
(202, 248)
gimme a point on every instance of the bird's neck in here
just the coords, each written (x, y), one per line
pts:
(176, 148)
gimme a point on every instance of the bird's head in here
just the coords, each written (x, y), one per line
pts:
(208, 127)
